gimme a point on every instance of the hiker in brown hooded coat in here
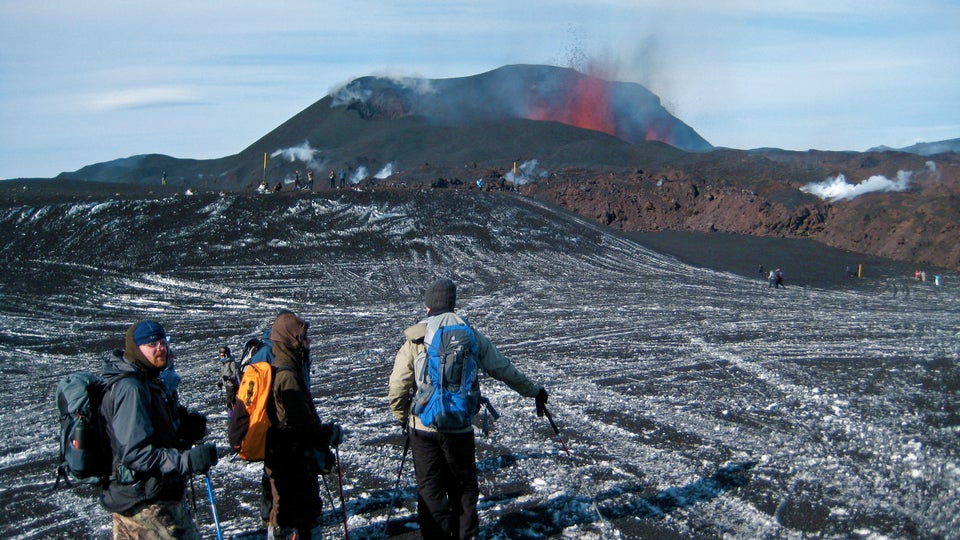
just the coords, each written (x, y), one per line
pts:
(298, 443)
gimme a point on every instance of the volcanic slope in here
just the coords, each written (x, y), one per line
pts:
(557, 115)
(695, 404)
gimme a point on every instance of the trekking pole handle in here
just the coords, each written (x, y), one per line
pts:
(493, 412)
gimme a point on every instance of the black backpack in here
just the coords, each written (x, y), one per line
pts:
(85, 455)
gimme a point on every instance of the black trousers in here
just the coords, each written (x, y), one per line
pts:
(295, 491)
(445, 465)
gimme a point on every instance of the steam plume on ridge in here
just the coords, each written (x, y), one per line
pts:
(385, 172)
(836, 188)
(359, 175)
(303, 153)
(527, 172)
(348, 93)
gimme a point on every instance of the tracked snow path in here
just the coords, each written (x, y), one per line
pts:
(695, 403)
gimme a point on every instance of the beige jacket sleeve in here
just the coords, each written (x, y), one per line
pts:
(401, 379)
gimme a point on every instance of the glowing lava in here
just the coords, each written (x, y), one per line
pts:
(585, 103)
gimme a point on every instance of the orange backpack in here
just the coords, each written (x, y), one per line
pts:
(249, 423)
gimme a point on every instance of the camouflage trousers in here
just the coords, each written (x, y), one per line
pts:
(156, 521)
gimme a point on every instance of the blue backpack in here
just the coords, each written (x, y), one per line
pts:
(448, 390)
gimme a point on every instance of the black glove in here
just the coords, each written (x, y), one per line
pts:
(404, 427)
(193, 426)
(219, 384)
(336, 435)
(325, 460)
(201, 458)
(541, 399)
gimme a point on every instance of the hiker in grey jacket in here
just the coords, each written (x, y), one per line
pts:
(229, 378)
(151, 438)
(445, 461)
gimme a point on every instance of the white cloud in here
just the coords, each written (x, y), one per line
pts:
(133, 98)
(795, 74)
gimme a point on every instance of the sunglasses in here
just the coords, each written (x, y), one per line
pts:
(156, 344)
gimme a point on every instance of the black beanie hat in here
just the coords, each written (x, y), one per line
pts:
(441, 295)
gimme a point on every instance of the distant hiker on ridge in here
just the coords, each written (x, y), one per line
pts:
(444, 449)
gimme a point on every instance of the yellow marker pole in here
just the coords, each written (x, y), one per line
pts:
(860, 270)
(264, 166)
(514, 169)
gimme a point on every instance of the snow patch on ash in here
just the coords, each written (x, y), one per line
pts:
(694, 403)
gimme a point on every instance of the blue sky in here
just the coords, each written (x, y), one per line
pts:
(85, 82)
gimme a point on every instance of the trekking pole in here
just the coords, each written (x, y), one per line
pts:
(406, 448)
(555, 430)
(213, 507)
(343, 504)
(193, 495)
(329, 493)
(488, 408)
(397, 501)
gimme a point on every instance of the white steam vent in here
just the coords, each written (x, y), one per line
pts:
(837, 188)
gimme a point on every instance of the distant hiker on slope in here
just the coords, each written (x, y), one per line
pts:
(778, 279)
(298, 444)
(229, 378)
(444, 449)
(771, 279)
(250, 348)
(151, 439)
